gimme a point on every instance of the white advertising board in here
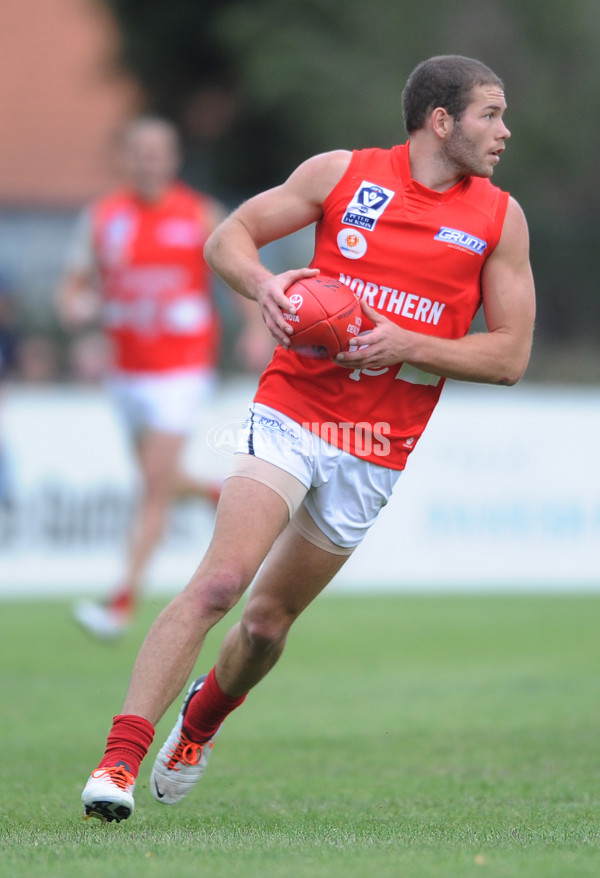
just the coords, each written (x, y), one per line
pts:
(503, 492)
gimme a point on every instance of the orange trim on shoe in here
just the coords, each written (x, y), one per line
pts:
(115, 774)
(186, 752)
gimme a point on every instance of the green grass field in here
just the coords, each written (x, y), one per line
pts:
(426, 737)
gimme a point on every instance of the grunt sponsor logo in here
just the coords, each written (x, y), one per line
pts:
(461, 239)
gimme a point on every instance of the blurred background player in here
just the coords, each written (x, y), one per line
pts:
(135, 264)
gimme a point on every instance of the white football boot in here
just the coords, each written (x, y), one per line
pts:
(180, 762)
(108, 794)
(102, 622)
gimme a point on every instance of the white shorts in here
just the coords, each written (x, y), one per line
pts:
(164, 402)
(344, 493)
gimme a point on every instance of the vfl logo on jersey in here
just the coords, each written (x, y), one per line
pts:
(351, 243)
(461, 239)
(367, 205)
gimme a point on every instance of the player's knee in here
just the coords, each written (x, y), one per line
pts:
(265, 628)
(216, 593)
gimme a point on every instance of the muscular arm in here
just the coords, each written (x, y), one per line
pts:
(232, 250)
(498, 356)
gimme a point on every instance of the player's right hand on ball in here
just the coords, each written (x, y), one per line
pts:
(272, 300)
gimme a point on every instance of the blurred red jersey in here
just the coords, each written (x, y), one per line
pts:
(416, 256)
(159, 310)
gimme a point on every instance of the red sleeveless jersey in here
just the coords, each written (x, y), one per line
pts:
(416, 256)
(159, 310)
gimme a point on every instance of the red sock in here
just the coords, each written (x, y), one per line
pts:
(207, 710)
(128, 742)
(122, 601)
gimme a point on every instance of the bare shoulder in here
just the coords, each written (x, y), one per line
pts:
(319, 174)
(296, 202)
(336, 161)
(515, 221)
(514, 240)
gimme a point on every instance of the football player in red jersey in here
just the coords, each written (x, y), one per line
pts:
(136, 265)
(423, 236)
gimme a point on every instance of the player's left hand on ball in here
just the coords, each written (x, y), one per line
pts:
(375, 346)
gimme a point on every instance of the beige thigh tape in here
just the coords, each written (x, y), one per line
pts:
(304, 524)
(292, 491)
(283, 483)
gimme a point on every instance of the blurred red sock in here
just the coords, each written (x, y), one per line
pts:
(128, 741)
(207, 710)
(122, 601)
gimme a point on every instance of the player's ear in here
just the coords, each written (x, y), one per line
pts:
(441, 122)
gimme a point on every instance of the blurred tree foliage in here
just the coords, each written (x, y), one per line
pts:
(258, 85)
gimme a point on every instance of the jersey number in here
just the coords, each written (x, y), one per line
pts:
(406, 372)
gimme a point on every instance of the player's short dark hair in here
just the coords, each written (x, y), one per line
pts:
(443, 81)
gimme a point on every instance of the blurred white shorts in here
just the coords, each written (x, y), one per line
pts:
(163, 402)
(343, 493)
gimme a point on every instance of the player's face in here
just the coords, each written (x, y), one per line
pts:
(478, 138)
(150, 159)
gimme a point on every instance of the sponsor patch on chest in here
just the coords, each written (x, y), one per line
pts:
(368, 203)
(461, 239)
